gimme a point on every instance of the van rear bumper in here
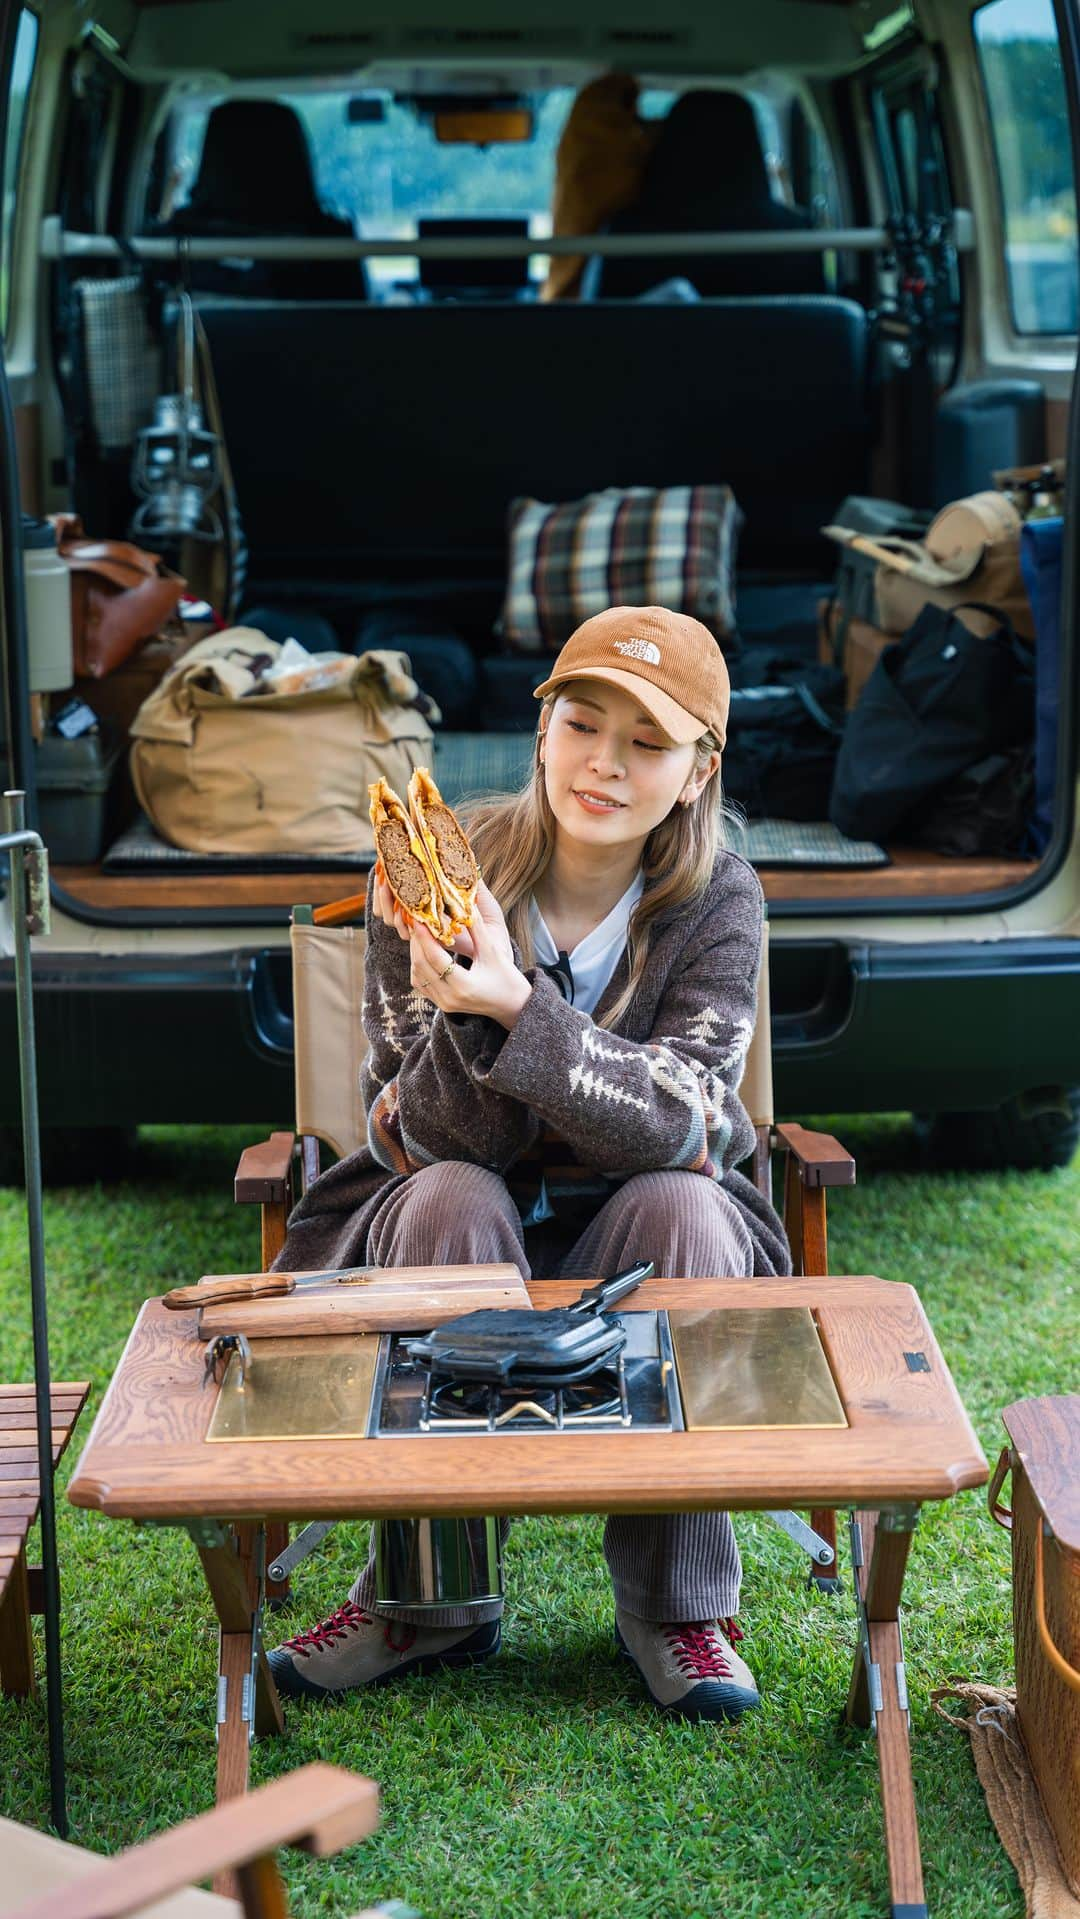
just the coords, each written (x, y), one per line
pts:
(935, 1027)
(856, 1028)
(133, 1040)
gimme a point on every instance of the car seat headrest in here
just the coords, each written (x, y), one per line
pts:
(255, 172)
(707, 162)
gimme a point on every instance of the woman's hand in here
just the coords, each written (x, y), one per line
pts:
(384, 904)
(492, 985)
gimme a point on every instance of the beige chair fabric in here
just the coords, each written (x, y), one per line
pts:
(756, 1089)
(328, 987)
(36, 1863)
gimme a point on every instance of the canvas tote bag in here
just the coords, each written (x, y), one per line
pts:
(969, 554)
(223, 765)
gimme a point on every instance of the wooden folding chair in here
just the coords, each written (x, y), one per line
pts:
(21, 1584)
(321, 1809)
(328, 963)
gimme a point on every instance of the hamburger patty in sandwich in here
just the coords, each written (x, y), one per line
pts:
(428, 862)
(449, 853)
(405, 862)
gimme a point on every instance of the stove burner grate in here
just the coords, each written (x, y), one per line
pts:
(636, 1390)
(603, 1399)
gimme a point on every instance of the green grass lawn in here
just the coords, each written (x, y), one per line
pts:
(544, 1784)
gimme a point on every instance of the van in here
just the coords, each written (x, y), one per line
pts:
(853, 281)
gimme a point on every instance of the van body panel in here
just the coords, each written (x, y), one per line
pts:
(140, 1038)
(928, 1003)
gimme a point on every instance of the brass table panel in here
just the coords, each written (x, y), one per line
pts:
(753, 1368)
(303, 1388)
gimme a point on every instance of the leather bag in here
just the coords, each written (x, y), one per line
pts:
(119, 596)
(993, 591)
(222, 764)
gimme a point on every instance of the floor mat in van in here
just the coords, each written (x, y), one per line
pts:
(794, 843)
(140, 850)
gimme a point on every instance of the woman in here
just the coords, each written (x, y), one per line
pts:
(568, 1101)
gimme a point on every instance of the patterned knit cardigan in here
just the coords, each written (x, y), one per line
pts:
(659, 1091)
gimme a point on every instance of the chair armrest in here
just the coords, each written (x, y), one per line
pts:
(340, 912)
(821, 1159)
(263, 1172)
(321, 1808)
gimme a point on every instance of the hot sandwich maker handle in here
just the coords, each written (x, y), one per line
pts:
(479, 1366)
(610, 1290)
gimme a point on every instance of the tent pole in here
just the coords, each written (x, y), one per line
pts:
(26, 857)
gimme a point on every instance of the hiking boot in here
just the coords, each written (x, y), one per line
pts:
(355, 1648)
(691, 1671)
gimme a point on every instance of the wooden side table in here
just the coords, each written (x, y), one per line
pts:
(907, 1440)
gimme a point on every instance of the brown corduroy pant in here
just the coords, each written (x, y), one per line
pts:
(666, 1567)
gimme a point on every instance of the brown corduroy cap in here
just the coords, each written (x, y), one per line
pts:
(668, 661)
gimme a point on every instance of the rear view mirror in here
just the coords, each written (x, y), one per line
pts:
(482, 126)
(365, 109)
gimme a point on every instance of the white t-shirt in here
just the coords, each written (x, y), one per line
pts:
(594, 958)
(592, 963)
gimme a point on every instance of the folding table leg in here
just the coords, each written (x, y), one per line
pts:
(234, 1561)
(880, 1543)
(236, 1715)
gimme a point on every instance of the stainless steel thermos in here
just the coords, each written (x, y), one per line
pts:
(424, 1563)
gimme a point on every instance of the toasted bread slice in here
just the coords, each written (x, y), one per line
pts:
(449, 854)
(405, 861)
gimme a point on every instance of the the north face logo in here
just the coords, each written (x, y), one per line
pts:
(639, 650)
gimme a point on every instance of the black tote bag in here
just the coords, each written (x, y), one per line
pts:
(936, 703)
(784, 733)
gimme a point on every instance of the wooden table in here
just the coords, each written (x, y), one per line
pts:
(908, 1439)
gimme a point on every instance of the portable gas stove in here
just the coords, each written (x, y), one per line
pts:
(582, 1368)
(639, 1389)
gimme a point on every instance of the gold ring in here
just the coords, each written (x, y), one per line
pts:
(448, 968)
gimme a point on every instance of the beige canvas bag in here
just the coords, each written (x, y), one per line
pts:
(971, 552)
(223, 765)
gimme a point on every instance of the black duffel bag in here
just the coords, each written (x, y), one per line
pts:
(935, 704)
(986, 810)
(782, 741)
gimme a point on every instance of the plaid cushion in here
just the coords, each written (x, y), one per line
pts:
(668, 546)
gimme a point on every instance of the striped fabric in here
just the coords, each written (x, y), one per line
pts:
(628, 546)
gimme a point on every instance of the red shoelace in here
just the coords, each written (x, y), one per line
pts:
(348, 1618)
(698, 1650)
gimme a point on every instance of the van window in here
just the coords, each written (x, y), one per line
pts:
(1025, 90)
(26, 39)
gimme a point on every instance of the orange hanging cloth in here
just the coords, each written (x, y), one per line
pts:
(598, 167)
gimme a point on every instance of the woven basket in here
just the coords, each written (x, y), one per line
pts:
(1044, 1458)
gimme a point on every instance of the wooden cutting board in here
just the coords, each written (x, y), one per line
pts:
(391, 1299)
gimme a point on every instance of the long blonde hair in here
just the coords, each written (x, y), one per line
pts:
(514, 838)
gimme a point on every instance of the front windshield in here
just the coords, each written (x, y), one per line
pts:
(383, 174)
